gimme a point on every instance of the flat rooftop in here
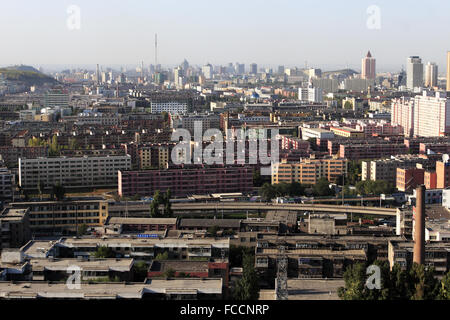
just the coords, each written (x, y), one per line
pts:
(314, 289)
(150, 242)
(37, 248)
(223, 223)
(179, 266)
(143, 221)
(34, 289)
(121, 265)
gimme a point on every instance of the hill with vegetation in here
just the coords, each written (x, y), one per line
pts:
(27, 75)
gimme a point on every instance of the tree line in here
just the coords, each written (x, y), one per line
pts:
(415, 283)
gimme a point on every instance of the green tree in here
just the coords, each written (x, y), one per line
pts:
(213, 230)
(40, 188)
(169, 273)
(82, 230)
(257, 179)
(247, 288)
(322, 188)
(348, 105)
(54, 149)
(444, 290)
(140, 269)
(162, 256)
(104, 253)
(168, 212)
(58, 191)
(267, 192)
(154, 206)
(423, 284)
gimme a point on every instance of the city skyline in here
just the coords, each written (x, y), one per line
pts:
(114, 33)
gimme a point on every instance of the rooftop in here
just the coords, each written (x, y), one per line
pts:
(20, 290)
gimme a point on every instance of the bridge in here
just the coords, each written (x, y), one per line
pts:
(313, 208)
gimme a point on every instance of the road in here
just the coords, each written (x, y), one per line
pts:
(385, 212)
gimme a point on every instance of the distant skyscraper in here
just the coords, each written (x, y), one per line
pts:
(448, 71)
(207, 71)
(414, 72)
(280, 69)
(431, 75)
(98, 74)
(253, 68)
(368, 67)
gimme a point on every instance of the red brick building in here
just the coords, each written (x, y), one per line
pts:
(186, 180)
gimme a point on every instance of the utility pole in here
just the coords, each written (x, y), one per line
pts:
(281, 285)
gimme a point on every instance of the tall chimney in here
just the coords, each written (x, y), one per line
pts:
(419, 227)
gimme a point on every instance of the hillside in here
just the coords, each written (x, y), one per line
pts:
(28, 75)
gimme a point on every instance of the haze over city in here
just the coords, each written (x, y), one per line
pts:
(292, 33)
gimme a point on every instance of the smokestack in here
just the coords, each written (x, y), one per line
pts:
(419, 227)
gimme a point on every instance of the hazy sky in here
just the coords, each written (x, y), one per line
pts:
(325, 33)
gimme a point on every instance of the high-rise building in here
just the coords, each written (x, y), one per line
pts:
(414, 72)
(402, 113)
(368, 67)
(431, 115)
(207, 71)
(310, 94)
(431, 75)
(253, 68)
(448, 71)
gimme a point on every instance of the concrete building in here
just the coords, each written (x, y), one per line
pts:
(442, 174)
(310, 94)
(7, 184)
(386, 169)
(316, 133)
(14, 227)
(360, 151)
(72, 172)
(368, 67)
(448, 71)
(414, 72)
(431, 115)
(347, 132)
(64, 217)
(187, 180)
(157, 289)
(409, 178)
(431, 75)
(206, 121)
(142, 225)
(309, 171)
(56, 269)
(56, 98)
(207, 71)
(436, 255)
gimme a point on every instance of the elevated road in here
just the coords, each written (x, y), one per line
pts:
(313, 208)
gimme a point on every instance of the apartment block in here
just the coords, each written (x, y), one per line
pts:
(72, 172)
(14, 227)
(370, 151)
(64, 217)
(309, 171)
(187, 180)
(409, 178)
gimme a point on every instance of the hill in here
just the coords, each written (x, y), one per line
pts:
(26, 74)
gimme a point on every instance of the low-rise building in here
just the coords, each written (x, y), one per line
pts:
(64, 217)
